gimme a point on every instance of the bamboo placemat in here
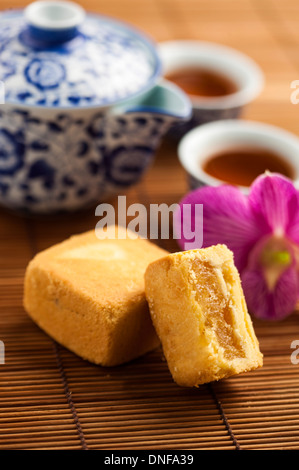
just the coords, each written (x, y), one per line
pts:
(51, 399)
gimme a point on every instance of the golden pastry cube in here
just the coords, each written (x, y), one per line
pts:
(199, 312)
(88, 294)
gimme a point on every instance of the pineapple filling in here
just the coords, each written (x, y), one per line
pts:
(214, 299)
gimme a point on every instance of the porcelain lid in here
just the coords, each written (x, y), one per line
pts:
(53, 55)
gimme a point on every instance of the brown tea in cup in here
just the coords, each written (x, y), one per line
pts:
(202, 82)
(241, 165)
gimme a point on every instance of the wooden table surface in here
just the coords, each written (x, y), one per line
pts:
(49, 398)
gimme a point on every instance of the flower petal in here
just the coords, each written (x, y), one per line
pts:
(227, 219)
(275, 202)
(270, 300)
(292, 229)
(270, 305)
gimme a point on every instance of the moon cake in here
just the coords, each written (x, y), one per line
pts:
(200, 315)
(88, 294)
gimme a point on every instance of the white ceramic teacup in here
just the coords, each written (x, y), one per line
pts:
(228, 62)
(207, 140)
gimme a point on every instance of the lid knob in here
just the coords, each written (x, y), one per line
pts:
(54, 21)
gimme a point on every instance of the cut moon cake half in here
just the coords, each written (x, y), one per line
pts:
(199, 312)
(88, 294)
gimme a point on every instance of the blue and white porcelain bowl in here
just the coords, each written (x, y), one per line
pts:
(84, 111)
(239, 68)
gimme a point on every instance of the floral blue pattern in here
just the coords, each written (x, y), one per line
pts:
(124, 165)
(54, 165)
(12, 151)
(7, 69)
(67, 136)
(45, 74)
(106, 61)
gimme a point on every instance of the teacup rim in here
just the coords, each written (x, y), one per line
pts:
(233, 127)
(254, 74)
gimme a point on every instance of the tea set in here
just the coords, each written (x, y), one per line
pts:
(86, 105)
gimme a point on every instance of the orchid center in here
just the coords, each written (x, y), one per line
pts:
(276, 257)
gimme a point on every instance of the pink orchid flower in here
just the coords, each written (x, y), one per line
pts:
(262, 230)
